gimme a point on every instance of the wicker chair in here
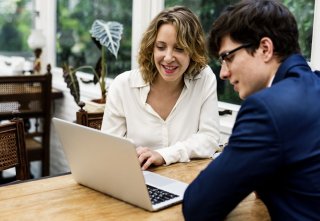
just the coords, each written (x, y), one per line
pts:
(13, 149)
(31, 97)
(89, 119)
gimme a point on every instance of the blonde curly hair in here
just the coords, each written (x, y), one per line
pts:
(190, 36)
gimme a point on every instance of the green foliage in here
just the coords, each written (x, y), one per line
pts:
(303, 12)
(15, 25)
(106, 35)
(72, 82)
(74, 19)
(208, 11)
(74, 22)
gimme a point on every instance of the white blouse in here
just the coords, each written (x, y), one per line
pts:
(190, 131)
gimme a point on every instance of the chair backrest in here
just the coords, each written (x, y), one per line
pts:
(89, 119)
(31, 97)
(12, 148)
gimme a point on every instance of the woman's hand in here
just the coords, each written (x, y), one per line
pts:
(147, 157)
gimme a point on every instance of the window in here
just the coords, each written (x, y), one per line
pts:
(76, 17)
(15, 27)
(74, 44)
(209, 10)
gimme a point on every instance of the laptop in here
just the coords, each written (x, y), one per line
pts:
(109, 164)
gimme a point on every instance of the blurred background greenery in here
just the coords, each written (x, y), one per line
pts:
(210, 10)
(75, 17)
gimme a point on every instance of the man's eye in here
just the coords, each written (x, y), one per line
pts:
(228, 58)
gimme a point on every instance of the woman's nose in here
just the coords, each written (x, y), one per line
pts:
(169, 57)
(224, 71)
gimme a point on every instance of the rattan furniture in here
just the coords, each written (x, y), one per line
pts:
(31, 97)
(13, 150)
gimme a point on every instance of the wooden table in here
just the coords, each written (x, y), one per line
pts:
(61, 198)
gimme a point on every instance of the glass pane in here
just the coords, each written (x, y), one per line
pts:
(74, 44)
(210, 10)
(15, 27)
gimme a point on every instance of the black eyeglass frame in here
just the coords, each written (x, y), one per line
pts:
(227, 53)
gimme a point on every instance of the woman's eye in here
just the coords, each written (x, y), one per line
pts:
(179, 49)
(161, 48)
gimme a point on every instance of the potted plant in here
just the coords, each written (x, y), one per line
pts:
(106, 35)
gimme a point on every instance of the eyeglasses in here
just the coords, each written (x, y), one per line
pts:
(223, 56)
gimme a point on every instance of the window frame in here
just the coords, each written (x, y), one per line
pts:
(46, 21)
(143, 12)
(315, 54)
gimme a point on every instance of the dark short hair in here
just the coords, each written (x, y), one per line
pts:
(250, 20)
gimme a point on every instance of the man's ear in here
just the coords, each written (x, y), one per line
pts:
(266, 47)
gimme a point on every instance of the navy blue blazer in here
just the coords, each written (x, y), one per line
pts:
(274, 150)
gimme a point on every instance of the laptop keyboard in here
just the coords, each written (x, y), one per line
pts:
(158, 195)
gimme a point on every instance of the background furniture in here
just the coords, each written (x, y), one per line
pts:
(89, 119)
(31, 97)
(13, 149)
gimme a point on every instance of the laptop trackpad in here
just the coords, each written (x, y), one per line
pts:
(156, 179)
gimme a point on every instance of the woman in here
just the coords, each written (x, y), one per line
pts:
(168, 107)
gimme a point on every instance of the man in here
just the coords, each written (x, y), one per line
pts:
(274, 148)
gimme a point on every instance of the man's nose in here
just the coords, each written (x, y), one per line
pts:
(224, 71)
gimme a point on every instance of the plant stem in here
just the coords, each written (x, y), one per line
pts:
(103, 73)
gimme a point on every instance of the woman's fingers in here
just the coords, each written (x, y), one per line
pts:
(147, 157)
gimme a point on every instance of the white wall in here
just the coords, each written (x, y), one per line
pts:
(143, 11)
(47, 23)
(315, 49)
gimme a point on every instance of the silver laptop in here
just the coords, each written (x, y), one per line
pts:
(110, 165)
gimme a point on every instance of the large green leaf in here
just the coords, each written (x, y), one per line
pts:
(72, 82)
(108, 34)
